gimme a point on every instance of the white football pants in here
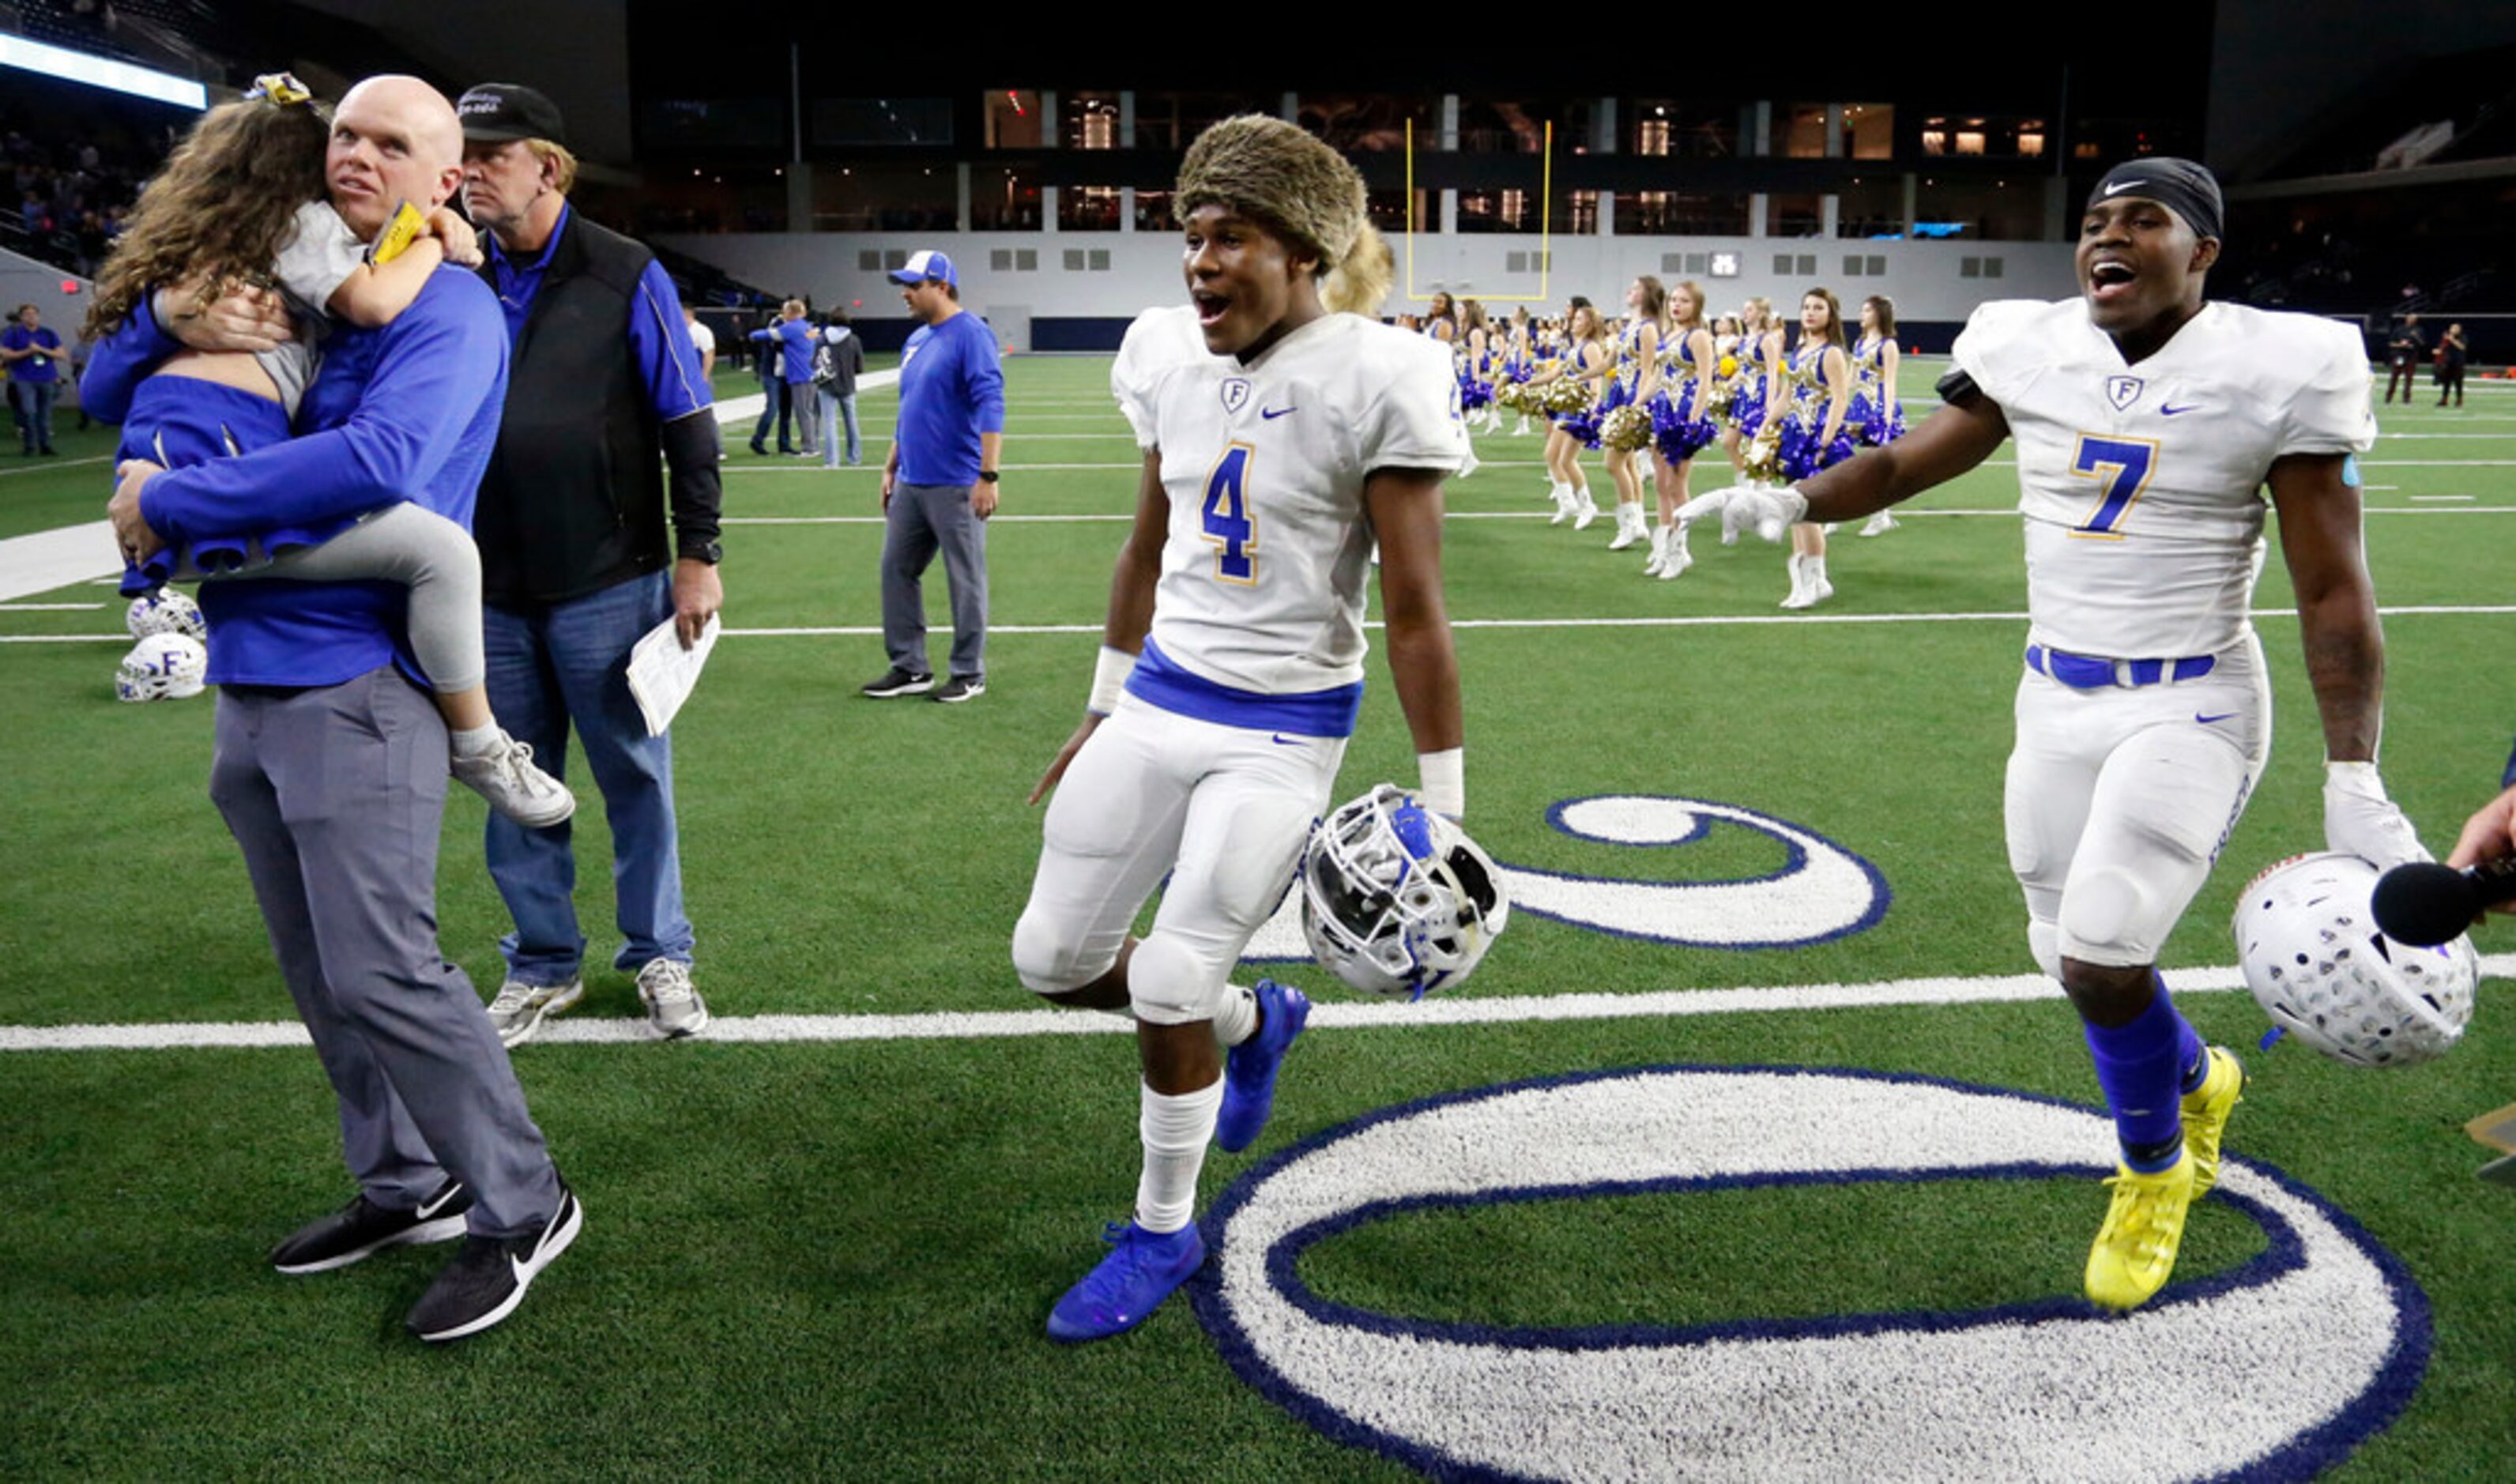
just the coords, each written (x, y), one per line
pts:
(2119, 799)
(1224, 810)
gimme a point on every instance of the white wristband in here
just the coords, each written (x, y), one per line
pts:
(1108, 678)
(1443, 780)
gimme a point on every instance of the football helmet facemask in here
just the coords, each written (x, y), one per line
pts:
(160, 667)
(2323, 971)
(1395, 899)
(165, 612)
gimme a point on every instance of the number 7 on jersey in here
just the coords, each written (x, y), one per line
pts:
(1229, 523)
(2122, 467)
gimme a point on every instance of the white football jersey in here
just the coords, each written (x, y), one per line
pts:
(1262, 581)
(2142, 484)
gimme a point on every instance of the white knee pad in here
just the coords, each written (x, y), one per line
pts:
(1052, 961)
(2045, 940)
(2106, 918)
(1170, 984)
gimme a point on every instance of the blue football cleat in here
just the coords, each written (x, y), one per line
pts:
(1126, 1287)
(1249, 1070)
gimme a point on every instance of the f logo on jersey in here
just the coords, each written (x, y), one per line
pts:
(2122, 391)
(1236, 394)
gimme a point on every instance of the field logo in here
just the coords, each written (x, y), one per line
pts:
(2273, 1370)
(1821, 892)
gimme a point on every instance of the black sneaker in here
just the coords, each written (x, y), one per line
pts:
(363, 1228)
(488, 1277)
(899, 682)
(961, 688)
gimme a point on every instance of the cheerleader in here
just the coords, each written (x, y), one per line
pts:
(1477, 370)
(1586, 357)
(1680, 423)
(1813, 433)
(1519, 363)
(1442, 323)
(1756, 386)
(1635, 384)
(1877, 416)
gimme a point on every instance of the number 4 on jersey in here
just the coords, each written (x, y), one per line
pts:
(2121, 466)
(1229, 523)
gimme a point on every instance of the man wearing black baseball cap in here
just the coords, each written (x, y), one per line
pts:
(2147, 420)
(576, 561)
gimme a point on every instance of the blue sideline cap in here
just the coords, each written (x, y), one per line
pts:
(925, 265)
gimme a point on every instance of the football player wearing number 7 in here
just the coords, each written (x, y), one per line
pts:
(1280, 436)
(2147, 420)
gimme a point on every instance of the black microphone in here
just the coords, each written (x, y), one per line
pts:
(2424, 903)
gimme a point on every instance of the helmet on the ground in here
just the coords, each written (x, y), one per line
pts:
(165, 612)
(161, 666)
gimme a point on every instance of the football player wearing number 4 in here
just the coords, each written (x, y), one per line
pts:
(1280, 436)
(2147, 420)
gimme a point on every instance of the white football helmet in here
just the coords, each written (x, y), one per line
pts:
(1395, 899)
(161, 666)
(2323, 973)
(165, 612)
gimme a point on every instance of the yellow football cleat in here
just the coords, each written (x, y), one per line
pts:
(2205, 1115)
(2135, 1250)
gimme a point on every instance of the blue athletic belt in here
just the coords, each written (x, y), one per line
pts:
(2089, 672)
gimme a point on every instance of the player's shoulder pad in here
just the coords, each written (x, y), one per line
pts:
(2006, 342)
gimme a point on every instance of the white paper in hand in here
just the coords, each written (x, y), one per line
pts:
(661, 672)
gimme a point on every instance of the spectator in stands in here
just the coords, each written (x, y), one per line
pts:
(2403, 358)
(575, 565)
(33, 355)
(2451, 351)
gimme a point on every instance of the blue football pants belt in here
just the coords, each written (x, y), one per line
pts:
(2092, 672)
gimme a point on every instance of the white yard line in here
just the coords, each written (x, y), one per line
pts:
(1339, 1015)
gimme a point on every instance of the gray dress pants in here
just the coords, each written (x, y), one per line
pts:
(924, 519)
(336, 795)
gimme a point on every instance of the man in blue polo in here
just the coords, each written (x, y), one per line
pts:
(790, 340)
(330, 758)
(609, 439)
(939, 487)
(33, 355)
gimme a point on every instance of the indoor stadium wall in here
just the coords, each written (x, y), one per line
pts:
(1068, 304)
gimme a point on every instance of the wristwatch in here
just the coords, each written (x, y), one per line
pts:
(710, 551)
(987, 476)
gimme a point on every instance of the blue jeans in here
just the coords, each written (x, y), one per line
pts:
(570, 663)
(834, 407)
(33, 403)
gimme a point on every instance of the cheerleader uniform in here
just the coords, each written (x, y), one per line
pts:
(1583, 425)
(1679, 427)
(1747, 402)
(1804, 419)
(1876, 415)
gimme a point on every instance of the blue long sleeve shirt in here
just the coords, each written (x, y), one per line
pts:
(951, 389)
(405, 412)
(794, 340)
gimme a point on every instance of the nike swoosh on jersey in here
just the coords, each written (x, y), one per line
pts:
(1269, 415)
(2165, 411)
(2207, 720)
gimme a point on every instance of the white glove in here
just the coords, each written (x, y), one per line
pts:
(1767, 511)
(2360, 820)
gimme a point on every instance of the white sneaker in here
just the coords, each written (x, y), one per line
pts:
(673, 1004)
(1659, 550)
(1629, 526)
(1799, 597)
(521, 1009)
(1880, 524)
(1678, 560)
(1584, 509)
(1563, 496)
(507, 777)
